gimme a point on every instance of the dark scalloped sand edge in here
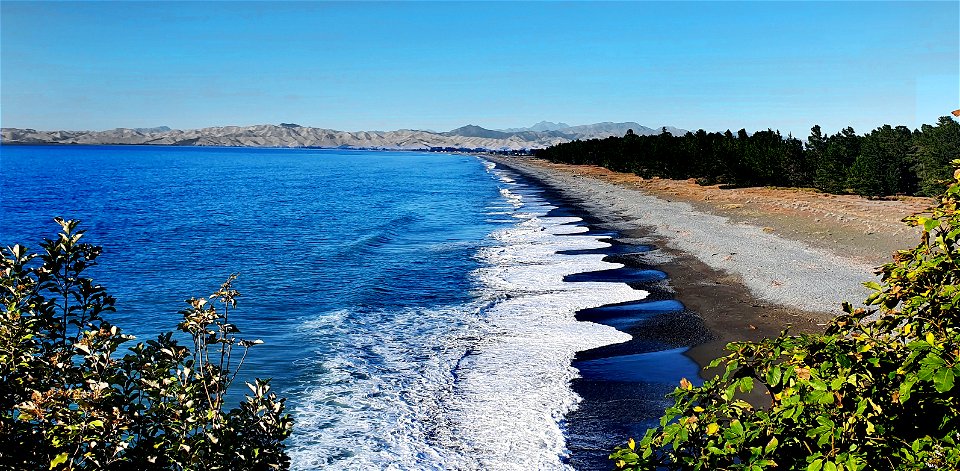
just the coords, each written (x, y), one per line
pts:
(682, 325)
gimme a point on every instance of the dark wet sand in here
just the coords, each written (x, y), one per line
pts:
(683, 324)
(720, 300)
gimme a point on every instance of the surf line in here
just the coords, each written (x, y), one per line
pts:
(620, 387)
(623, 386)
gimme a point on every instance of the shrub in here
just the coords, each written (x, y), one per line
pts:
(876, 391)
(70, 400)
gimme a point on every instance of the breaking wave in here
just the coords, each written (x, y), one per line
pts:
(482, 384)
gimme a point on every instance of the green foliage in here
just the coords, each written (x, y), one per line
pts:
(887, 161)
(876, 391)
(839, 154)
(70, 400)
(935, 146)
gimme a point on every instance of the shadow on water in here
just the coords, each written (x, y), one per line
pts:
(619, 275)
(592, 232)
(663, 366)
(616, 248)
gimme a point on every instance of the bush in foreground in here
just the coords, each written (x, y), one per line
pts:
(69, 400)
(876, 391)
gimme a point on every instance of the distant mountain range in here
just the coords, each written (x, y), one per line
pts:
(541, 126)
(540, 135)
(598, 130)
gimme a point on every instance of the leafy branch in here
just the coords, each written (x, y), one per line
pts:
(877, 390)
(69, 400)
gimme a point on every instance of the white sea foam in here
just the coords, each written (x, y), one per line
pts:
(514, 390)
(378, 401)
(485, 385)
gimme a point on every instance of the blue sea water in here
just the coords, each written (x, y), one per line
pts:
(412, 305)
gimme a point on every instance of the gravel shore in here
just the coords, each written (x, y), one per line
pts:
(774, 269)
(740, 275)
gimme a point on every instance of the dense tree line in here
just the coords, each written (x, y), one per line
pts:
(887, 161)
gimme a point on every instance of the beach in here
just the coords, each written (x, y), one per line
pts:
(743, 264)
(796, 258)
(458, 313)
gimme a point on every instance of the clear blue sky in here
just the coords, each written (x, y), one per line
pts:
(438, 65)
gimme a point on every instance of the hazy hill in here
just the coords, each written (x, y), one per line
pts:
(293, 135)
(471, 130)
(607, 129)
(153, 130)
(542, 126)
(672, 130)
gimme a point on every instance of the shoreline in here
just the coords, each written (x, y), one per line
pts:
(741, 296)
(863, 229)
(762, 284)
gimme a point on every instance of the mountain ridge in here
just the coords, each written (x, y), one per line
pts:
(292, 135)
(541, 126)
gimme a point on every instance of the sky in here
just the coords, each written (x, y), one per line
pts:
(440, 65)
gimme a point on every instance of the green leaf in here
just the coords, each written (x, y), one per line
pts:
(943, 380)
(816, 465)
(928, 223)
(729, 392)
(771, 445)
(774, 375)
(58, 460)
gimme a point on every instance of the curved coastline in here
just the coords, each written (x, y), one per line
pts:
(512, 392)
(621, 386)
(763, 284)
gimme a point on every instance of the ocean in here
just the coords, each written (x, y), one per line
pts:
(413, 305)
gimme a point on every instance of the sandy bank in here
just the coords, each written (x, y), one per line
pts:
(850, 226)
(775, 268)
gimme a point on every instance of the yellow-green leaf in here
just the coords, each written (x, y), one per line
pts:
(772, 445)
(872, 285)
(58, 460)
